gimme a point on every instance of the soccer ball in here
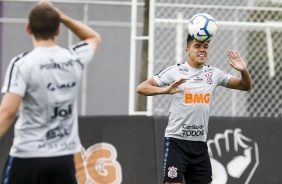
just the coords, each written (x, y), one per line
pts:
(202, 27)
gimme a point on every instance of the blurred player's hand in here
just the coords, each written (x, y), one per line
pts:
(62, 15)
(43, 1)
(234, 157)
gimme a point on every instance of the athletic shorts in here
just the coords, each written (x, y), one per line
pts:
(186, 159)
(45, 170)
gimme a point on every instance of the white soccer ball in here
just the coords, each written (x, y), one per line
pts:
(202, 27)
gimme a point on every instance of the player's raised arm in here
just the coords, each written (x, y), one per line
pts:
(243, 83)
(34, 81)
(150, 87)
(82, 31)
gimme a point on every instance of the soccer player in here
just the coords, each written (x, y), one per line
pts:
(43, 84)
(192, 86)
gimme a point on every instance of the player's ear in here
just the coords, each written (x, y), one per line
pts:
(57, 31)
(187, 50)
(28, 29)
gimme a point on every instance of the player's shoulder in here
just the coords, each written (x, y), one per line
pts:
(182, 68)
(167, 69)
(79, 46)
(210, 69)
(20, 58)
(208, 66)
(214, 70)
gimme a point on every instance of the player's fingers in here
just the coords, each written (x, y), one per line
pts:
(183, 80)
(229, 54)
(180, 81)
(179, 90)
(231, 58)
(237, 54)
(46, 2)
(42, 1)
(231, 64)
(232, 53)
(175, 84)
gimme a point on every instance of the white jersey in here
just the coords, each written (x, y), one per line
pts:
(190, 110)
(48, 79)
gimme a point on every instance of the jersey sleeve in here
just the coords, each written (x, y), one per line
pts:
(165, 77)
(14, 80)
(223, 77)
(84, 51)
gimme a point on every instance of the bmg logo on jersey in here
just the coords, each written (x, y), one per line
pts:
(197, 98)
(62, 110)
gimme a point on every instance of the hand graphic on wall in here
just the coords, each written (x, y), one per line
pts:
(234, 157)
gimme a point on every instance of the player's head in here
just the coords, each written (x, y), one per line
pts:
(190, 40)
(197, 51)
(44, 22)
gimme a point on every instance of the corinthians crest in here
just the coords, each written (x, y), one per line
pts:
(209, 78)
(172, 172)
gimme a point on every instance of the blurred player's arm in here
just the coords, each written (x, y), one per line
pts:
(150, 87)
(82, 31)
(243, 83)
(8, 111)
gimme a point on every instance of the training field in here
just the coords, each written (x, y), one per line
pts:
(121, 131)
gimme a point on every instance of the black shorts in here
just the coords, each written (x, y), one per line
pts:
(46, 170)
(186, 159)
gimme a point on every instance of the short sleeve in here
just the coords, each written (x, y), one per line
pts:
(165, 77)
(14, 81)
(223, 77)
(84, 51)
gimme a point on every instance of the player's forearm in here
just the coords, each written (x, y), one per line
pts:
(6, 120)
(246, 80)
(79, 29)
(149, 90)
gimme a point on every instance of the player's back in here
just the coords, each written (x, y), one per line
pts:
(47, 123)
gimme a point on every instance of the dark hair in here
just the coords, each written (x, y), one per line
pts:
(44, 21)
(189, 39)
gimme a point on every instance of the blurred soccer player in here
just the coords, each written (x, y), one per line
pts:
(192, 86)
(43, 84)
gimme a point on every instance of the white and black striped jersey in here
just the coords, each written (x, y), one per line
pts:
(190, 110)
(48, 79)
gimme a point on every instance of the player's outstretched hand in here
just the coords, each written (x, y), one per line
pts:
(173, 88)
(236, 61)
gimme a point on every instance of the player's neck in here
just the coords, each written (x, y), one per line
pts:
(195, 64)
(44, 43)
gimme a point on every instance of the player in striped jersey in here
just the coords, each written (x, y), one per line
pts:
(43, 85)
(192, 86)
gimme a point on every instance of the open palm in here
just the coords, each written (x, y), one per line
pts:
(173, 88)
(236, 61)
